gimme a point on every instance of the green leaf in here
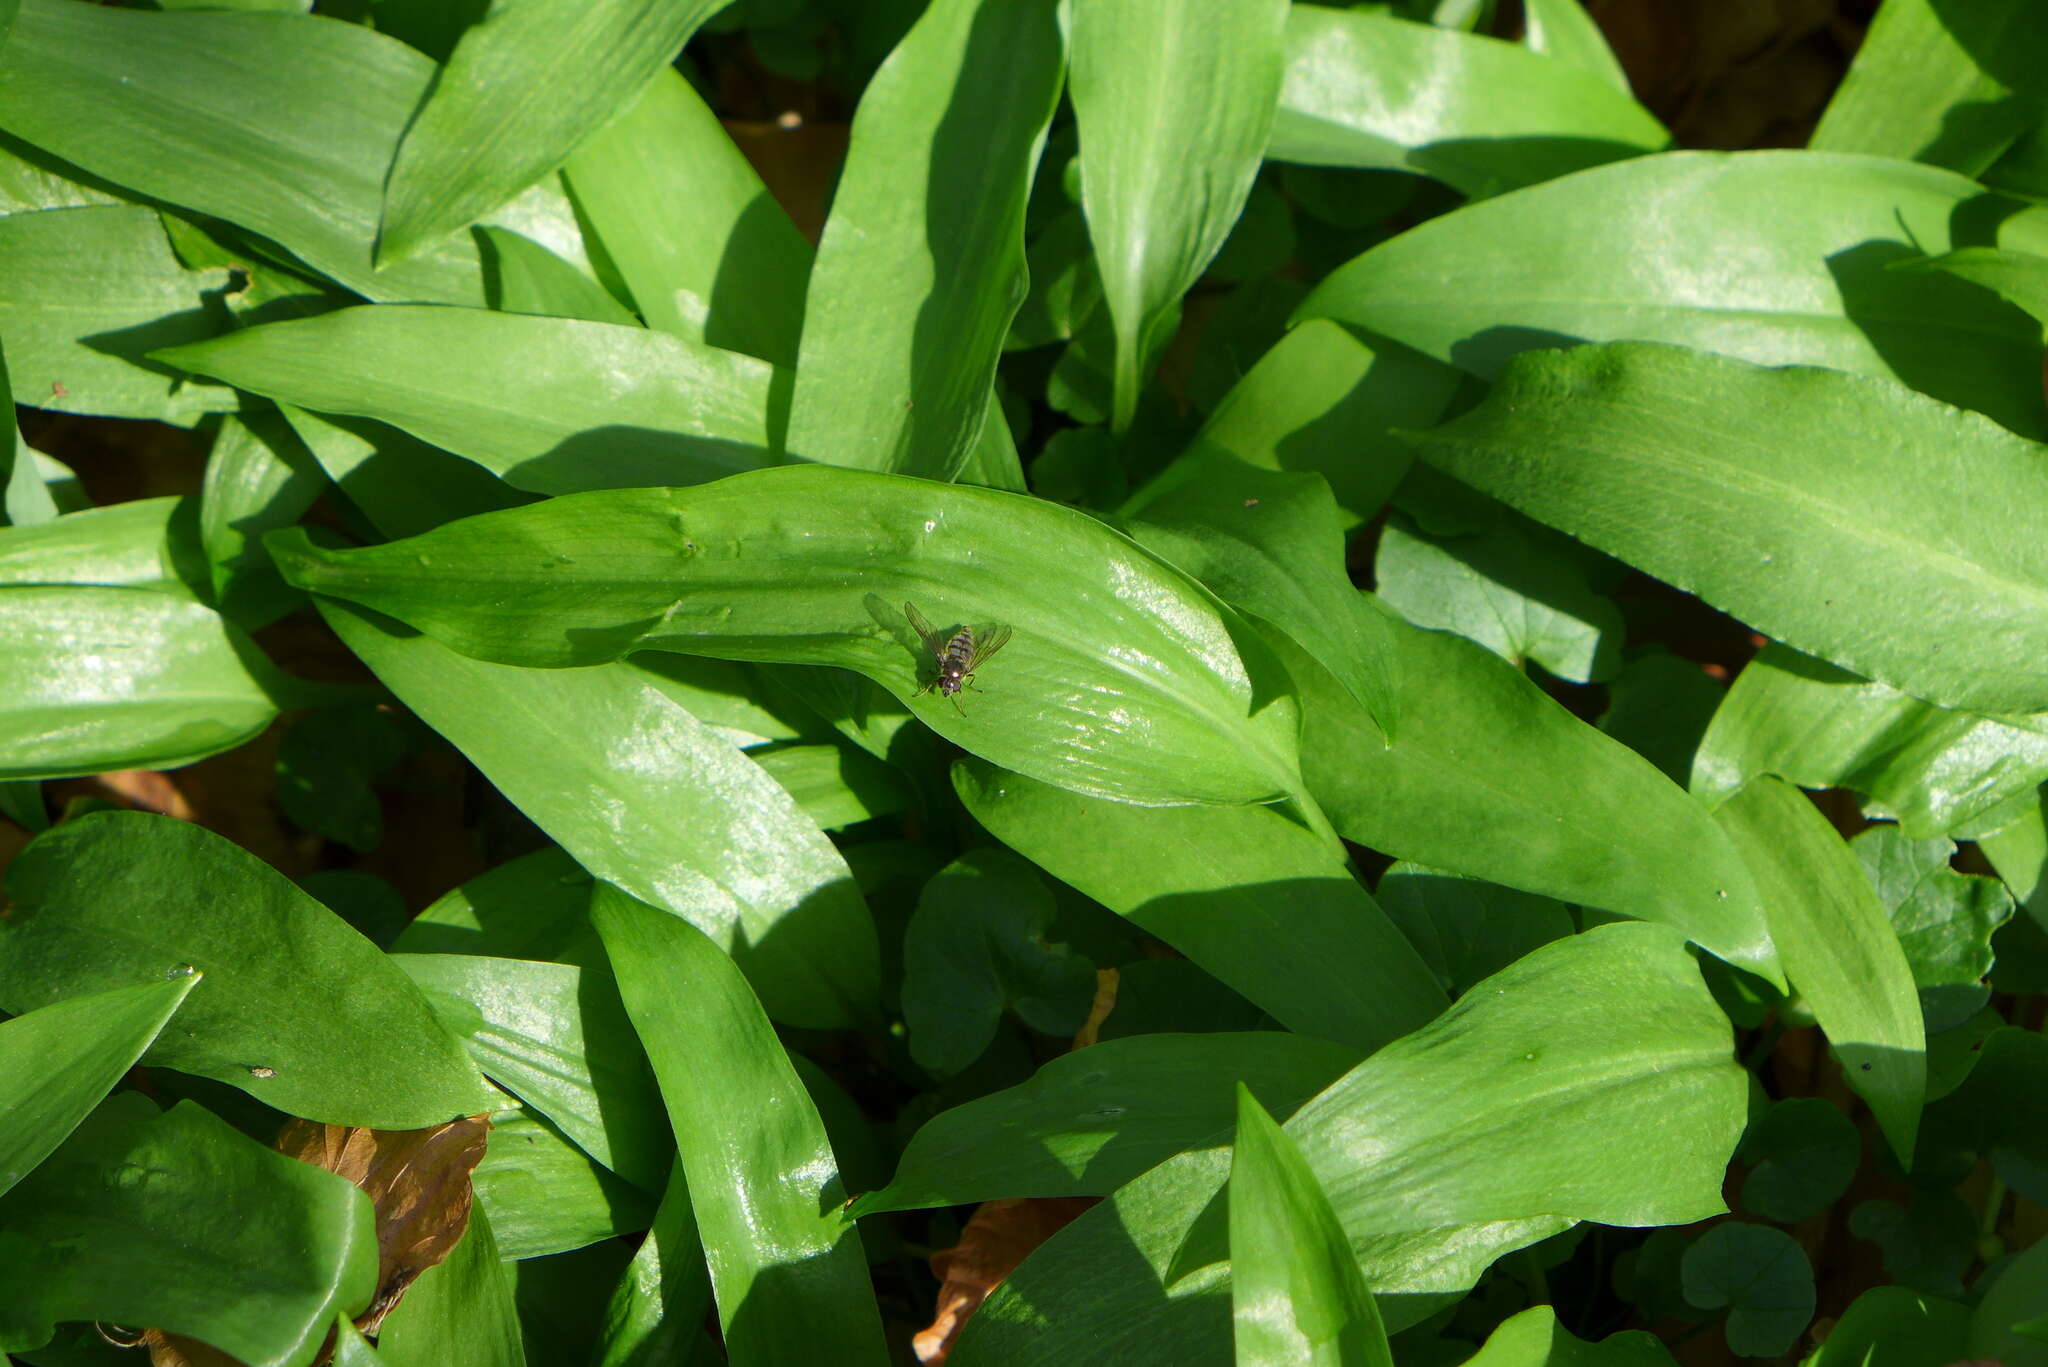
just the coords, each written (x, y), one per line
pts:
(1370, 90)
(1516, 588)
(85, 295)
(1326, 401)
(297, 1009)
(1125, 678)
(1804, 502)
(1928, 1247)
(532, 907)
(11, 445)
(1660, 706)
(1892, 1326)
(1564, 811)
(1093, 1119)
(459, 1310)
(1949, 85)
(522, 276)
(259, 477)
(351, 1349)
(553, 405)
(525, 84)
(148, 543)
(1805, 1152)
(1764, 1280)
(657, 1308)
(706, 251)
(172, 683)
(786, 1267)
(1838, 948)
(836, 785)
(1613, 254)
(2020, 278)
(1590, 1080)
(977, 946)
(642, 793)
(328, 765)
(921, 266)
(1297, 1296)
(557, 1037)
(2009, 1309)
(1534, 1338)
(1466, 929)
(546, 1196)
(245, 1249)
(281, 124)
(1249, 893)
(1174, 103)
(1933, 769)
(1562, 29)
(58, 1061)
(1271, 544)
(401, 484)
(1944, 919)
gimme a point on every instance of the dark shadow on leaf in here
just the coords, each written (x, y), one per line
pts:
(621, 457)
(1485, 352)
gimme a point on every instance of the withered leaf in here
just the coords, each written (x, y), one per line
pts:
(998, 1237)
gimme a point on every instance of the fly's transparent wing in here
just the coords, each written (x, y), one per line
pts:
(987, 641)
(932, 640)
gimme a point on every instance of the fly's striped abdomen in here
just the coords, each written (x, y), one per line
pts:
(955, 661)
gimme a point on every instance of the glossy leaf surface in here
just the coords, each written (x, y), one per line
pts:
(1124, 677)
(643, 794)
(116, 898)
(786, 1267)
(460, 1310)
(921, 266)
(595, 405)
(1616, 254)
(1850, 518)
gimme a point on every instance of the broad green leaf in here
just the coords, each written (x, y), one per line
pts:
(85, 295)
(1562, 29)
(2006, 1325)
(259, 476)
(1174, 101)
(1806, 1153)
(401, 484)
(654, 1316)
(1944, 919)
(1893, 1326)
(1927, 1247)
(1764, 1280)
(170, 683)
(557, 1037)
(546, 1196)
(642, 793)
(1838, 949)
(1660, 706)
(1935, 770)
(1849, 517)
(921, 266)
(836, 785)
(1270, 544)
(977, 945)
(1093, 1119)
(786, 1266)
(296, 1009)
(1949, 85)
(459, 1310)
(1516, 588)
(522, 276)
(1125, 677)
(1370, 90)
(706, 251)
(552, 405)
(1534, 1338)
(148, 543)
(1564, 811)
(1465, 929)
(2020, 278)
(1590, 1080)
(532, 907)
(281, 124)
(1325, 401)
(525, 84)
(1614, 253)
(245, 1249)
(1251, 894)
(1297, 1296)
(58, 1061)
(329, 766)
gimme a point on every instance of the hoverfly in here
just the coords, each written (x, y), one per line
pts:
(957, 655)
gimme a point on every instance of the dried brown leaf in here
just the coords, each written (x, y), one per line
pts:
(998, 1237)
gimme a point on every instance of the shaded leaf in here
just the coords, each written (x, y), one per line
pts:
(547, 1196)
(1761, 1276)
(1465, 929)
(1534, 1338)
(259, 476)
(532, 907)
(998, 1236)
(657, 1308)
(1944, 920)
(1893, 1326)
(1927, 1247)
(1805, 1152)
(460, 1310)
